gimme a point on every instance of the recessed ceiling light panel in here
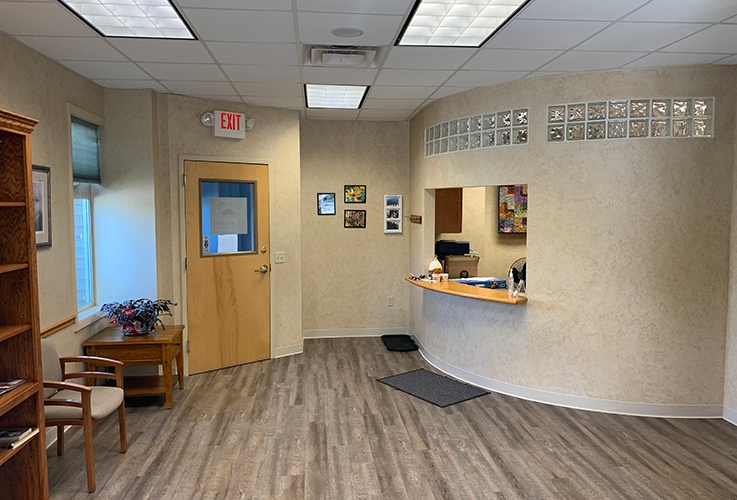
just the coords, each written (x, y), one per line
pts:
(457, 23)
(131, 18)
(335, 96)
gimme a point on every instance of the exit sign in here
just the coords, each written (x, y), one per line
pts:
(229, 124)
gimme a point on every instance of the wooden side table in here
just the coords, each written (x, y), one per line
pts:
(158, 348)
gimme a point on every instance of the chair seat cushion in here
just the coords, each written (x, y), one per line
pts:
(103, 401)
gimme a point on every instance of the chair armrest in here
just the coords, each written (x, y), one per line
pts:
(91, 360)
(95, 361)
(84, 392)
(60, 386)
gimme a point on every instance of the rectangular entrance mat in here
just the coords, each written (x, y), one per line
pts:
(433, 388)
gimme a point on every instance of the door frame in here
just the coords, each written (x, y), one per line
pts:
(183, 243)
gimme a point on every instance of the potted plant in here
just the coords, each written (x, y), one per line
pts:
(139, 316)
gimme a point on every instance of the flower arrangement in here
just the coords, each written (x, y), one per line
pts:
(139, 316)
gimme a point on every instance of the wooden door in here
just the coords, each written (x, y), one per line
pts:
(227, 246)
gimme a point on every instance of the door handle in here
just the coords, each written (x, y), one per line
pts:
(263, 269)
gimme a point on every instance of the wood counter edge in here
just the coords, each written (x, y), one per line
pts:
(469, 291)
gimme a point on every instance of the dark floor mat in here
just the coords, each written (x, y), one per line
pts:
(399, 342)
(433, 388)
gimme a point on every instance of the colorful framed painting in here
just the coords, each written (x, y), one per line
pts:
(354, 193)
(513, 209)
(42, 205)
(393, 213)
(325, 203)
(354, 219)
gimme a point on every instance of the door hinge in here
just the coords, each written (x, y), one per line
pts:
(185, 264)
(187, 351)
(184, 178)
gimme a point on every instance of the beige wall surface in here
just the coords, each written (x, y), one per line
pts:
(628, 240)
(347, 274)
(34, 86)
(730, 386)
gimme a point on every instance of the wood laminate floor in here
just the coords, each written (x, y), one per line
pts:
(319, 426)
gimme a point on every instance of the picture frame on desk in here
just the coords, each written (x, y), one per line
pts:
(42, 205)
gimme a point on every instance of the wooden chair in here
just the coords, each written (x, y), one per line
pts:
(67, 403)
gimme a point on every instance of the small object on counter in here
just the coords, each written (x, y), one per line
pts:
(443, 276)
(435, 267)
(510, 283)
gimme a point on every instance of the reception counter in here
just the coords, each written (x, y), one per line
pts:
(469, 291)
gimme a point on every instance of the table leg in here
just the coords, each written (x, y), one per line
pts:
(166, 368)
(180, 367)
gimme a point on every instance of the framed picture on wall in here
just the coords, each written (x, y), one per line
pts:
(354, 193)
(513, 209)
(42, 205)
(354, 219)
(393, 213)
(325, 203)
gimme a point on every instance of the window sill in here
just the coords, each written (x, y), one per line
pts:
(88, 317)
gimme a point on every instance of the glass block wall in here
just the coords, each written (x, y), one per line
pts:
(675, 117)
(502, 128)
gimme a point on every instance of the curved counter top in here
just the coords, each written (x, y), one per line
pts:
(469, 291)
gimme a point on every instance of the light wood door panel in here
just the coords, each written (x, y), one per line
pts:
(228, 305)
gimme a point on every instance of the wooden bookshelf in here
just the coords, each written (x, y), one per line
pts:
(23, 473)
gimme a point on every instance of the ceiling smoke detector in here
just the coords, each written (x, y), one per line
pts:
(332, 55)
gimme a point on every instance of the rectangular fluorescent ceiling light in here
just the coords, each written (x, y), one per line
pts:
(457, 23)
(131, 18)
(335, 96)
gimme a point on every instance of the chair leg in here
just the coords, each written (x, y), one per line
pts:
(123, 432)
(59, 440)
(89, 457)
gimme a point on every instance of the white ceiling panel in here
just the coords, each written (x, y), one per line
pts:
(721, 38)
(421, 58)
(238, 4)
(673, 59)
(406, 104)
(640, 37)
(276, 102)
(73, 48)
(341, 76)
(262, 74)
(546, 35)
(481, 78)
(171, 51)
(201, 88)
(412, 77)
(229, 98)
(592, 10)
(132, 84)
(332, 114)
(315, 28)
(728, 60)
(447, 90)
(685, 10)
(588, 61)
(384, 115)
(242, 26)
(40, 19)
(99, 70)
(511, 60)
(387, 92)
(184, 72)
(269, 89)
(262, 54)
(398, 7)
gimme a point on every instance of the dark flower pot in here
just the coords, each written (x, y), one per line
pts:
(137, 328)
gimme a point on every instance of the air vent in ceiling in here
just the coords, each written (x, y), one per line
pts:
(344, 56)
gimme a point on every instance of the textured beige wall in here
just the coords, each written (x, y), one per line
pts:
(347, 274)
(32, 85)
(274, 140)
(730, 375)
(628, 240)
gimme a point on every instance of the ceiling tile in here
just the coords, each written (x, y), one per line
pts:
(685, 10)
(184, 72)
(640, 37)
(73, 48)
(262, 54)
(200, 88)
(399, 7)
(576, 9)
(314, 28)
(673, 59)
(728, 60)
(332, 114)
(412, 77)
(107, 70)
(269, 89)
(343, 76)
(45, 19)
(132, 84)
(719, 39)
(172, 51)
(406, 104)
(262, 73)
(483, 78)
(385, 115)
(239, 4)
(579, 60)
(228, 98)
(242, 26)
(511, 60)
(388, 92)
(447, 90)
(524, 34)
(427, 57)
(276, 102)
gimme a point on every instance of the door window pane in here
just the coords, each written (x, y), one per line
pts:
(228, 214)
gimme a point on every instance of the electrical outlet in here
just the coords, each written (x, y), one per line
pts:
(279, 258)
(390, 301)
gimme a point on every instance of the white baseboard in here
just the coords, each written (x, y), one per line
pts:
(730, 415)
(577, 402)
(289, 350)
(353, 332)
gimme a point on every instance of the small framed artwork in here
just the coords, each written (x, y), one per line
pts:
(354, 193)
(355, 219)
(325, 203)
(42, 205)
(513, 209)
(393, 213)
